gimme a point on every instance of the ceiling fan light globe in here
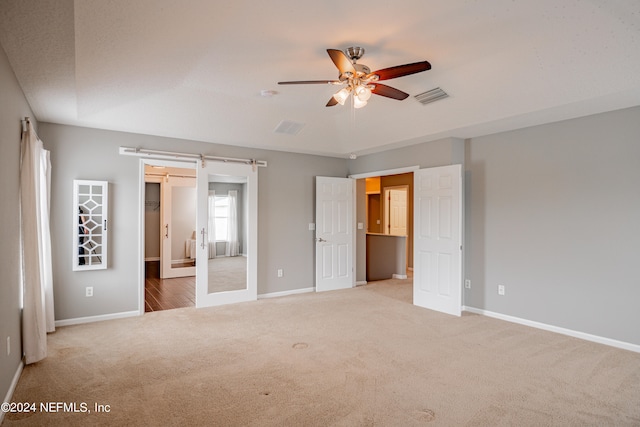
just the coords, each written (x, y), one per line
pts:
(341, 96)
(363, 93)
(358, 103)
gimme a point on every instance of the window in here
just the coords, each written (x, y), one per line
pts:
(222, 218)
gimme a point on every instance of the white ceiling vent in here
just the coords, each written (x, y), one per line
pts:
(431, 96)
(288, 127)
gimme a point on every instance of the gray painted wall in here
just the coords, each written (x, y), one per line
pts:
(553, 213)
(13, 108)
(285, 199)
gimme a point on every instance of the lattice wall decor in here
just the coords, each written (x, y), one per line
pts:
(90, 224)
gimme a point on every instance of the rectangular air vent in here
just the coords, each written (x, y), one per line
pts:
(288, 127)
(431, 96)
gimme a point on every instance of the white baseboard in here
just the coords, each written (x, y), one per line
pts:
(152, 258)
(576, 334)
(399, 276)
(91, 319)
(285, 293)
(361, 283)
(12, 387)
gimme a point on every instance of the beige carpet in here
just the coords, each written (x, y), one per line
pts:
(360, 357)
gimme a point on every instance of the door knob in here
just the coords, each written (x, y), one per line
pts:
(320, 239)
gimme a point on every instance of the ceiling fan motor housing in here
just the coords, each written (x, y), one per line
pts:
(361, 72)
(354, 53)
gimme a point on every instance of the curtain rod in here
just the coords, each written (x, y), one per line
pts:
(186, 157)
(25, 121)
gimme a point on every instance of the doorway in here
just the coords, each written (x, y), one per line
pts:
(169, 236)
(388, 213)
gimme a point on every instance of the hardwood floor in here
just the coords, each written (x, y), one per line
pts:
(166, 294)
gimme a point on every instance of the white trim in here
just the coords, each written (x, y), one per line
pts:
(12, 387)
(152, 258)
(361, 283)
(398, 276)
(384, 172)
(569, 332)
(100, 318)
(285, 293)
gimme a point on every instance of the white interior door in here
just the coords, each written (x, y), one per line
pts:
(178, 219)
(437, 279)
(334, 233)
(210, 290)
(397, 216)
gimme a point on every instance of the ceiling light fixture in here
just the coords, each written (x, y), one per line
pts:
(358, 80)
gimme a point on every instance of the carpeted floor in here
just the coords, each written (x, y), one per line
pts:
(359, 357)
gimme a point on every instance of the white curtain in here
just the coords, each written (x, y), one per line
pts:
(38, 315)
(233, 244)
(212, 224)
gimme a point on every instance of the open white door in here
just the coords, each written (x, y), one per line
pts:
(334, 233)
(396, 211)
(211, 288)
(437, 279)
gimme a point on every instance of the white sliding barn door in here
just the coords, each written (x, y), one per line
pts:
(334, 233)
(437, 280)
(210, 287)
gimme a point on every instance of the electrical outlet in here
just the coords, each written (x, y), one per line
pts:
(500, 289)
(8, 346)
(280, 272)
(312, 226)
(467, 284)
(89, 291)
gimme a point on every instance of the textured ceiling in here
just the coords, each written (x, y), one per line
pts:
(195, 69)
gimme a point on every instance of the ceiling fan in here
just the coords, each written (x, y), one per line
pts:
(358, 79)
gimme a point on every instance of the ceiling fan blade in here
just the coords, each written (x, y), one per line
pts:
(342, 62)
(311, 82)
(402, 70)
(388, 91)
(331, 102)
